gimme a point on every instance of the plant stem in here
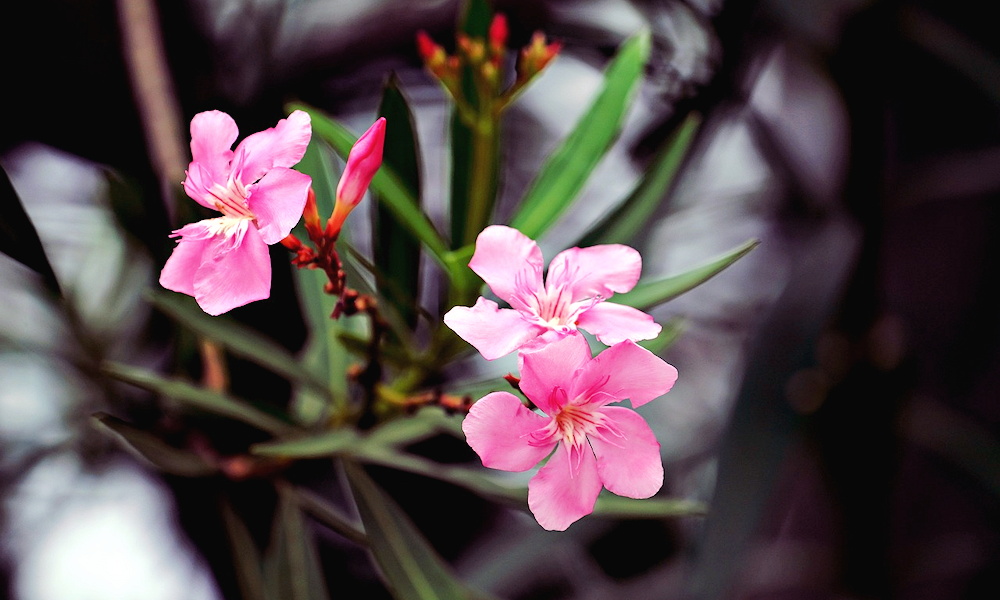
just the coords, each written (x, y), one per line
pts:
(482, 179)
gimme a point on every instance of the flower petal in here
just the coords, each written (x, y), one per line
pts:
(550, 367)
(198, 183)
(565, 489)
(212, 135)
(280, 146)
(507, 259)
(628, 458)
(278, 200)
(498, 428)
(613, 323)
(231, 276)
(178, 273)
(626, 371)
(494, 331)
(595, 271)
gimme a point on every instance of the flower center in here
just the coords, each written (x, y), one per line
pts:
(231, 200)
(555, 306)
(576, 422)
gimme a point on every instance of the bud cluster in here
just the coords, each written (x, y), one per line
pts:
(484, 59)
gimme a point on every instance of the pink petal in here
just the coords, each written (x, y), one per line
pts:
(507, 259)
(613, 323)
(565, 489)
(498, 428)
(595, 271)
(551, 367)
(178, 273)
(233, 276)
(626, 371)
(212, 135)
(494, 331)
(278, 200)
(628, 458)
(363, 162)
(280, 146)
(198, 183)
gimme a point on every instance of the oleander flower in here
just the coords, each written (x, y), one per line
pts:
(224, 262)
(572, 297)
(595, 444)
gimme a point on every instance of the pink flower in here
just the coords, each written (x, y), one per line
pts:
(596, 445)
(572, 297)
(224, 262)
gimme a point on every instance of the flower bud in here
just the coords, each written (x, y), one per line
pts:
(362, 163)
(310, 216)
(536, 55)
(498, 34)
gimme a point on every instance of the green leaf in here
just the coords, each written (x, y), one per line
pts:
(197, 397)
(567, 169)
(149, 447)
(18, 237)
(648, 294)
(412, 568)
(323, 353)
(427, 422)
(238, 339)
(246, 556)
(478, 482)
(616, 507)
(327, 443)
(619, 226)
(670, 333)
(291, 566)
(476, 17)
(397, 252)
(392, 192)
(326, 513)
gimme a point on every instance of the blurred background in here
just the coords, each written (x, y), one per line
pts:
(837, 405)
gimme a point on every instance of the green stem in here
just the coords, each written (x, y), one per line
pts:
(482, 179)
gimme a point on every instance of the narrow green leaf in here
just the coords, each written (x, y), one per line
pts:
(238, 339)
(18, 237)
(648, 294)
(670, 333)
(567, 169)
(475, 18)
(617, 507)
(152, 449)
(246, 556)
(323, 511)
(619, 226)
(323, 353)
(197, 397)
(291, 564)
(392, 192)
(427, 422)
(327, 443)
(397, 252)
(478, 482)
(412, 568)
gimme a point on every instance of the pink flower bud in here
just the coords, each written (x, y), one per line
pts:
(362, 163)
(498, 33)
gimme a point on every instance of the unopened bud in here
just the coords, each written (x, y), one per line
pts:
(536, 55)
(310, 216)
(498, 34)
(362, 164)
